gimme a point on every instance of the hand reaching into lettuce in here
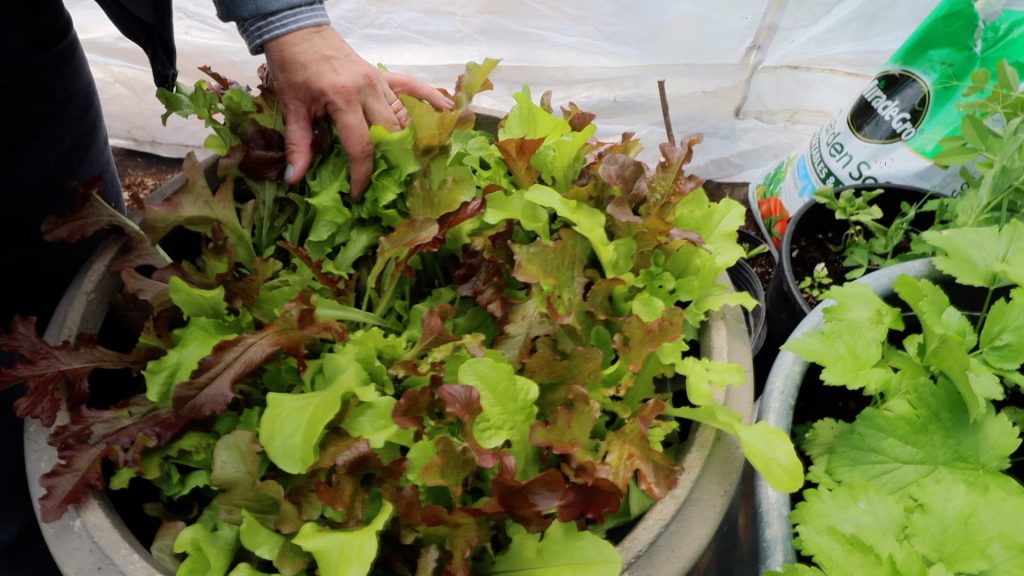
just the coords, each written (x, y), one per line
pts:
(316, 73)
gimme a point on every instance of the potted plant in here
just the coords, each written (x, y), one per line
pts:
(852, 230)
(913, 424)
(917, 457)
(841, 235)
(488, 363)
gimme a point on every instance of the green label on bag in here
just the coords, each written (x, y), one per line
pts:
(891, 131)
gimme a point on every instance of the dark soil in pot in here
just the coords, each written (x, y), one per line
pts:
(811, 239)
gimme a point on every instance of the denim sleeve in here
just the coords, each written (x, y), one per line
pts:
(259, 30)
(241, 10)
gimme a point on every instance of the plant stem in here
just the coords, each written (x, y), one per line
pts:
(984, 310)
(665, 114)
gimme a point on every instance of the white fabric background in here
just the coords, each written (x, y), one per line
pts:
(756, 77)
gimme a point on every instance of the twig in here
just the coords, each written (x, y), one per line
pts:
(665, 114)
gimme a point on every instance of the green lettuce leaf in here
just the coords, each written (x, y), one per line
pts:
(768, 449)
(209, 544)
(194, 342)
(616, 256)
(509, 409)
(293, 425)
(563, 549)
(344, 553)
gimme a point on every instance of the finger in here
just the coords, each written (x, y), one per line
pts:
(298, 143)
(379, 110)
(401, 112)
(355, 139)
(417, 88)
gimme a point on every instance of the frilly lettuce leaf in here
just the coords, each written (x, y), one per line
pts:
(562, 549)
(344, 553)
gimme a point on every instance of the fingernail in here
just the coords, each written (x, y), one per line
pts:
(289, 172)
(450, 102)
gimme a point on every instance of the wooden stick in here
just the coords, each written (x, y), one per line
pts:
(665, 114)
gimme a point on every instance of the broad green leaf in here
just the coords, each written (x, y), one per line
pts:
(855, 529)
(557, 267)
(475, 80)
(344, 553)
(196, 302)
(210, 545)
(616, 256)
(194, 342)
(704, 375)
(395, 150)
(921, 434)
(969, 525)
(948, 340)
(1002, 338)
(716, 223)
(561, 160)
(649, 308)
(293, 425)
(857, 304)
(769, 450)
(562, 550)
(855, 363)
(372, 420)
(528, 120)
(514, 206)
(446, 188)
(974, 256)
(850, 362)
(236, 473)
(332, 220)
(509, 409)
(258, 539)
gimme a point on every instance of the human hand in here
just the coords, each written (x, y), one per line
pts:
(315, 72)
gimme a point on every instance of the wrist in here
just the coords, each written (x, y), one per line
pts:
(261, 31)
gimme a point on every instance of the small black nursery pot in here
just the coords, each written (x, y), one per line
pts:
(811, 238)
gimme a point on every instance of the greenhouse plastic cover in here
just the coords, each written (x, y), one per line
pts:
(755, 77)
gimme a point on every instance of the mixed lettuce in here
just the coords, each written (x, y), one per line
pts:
(475, 367)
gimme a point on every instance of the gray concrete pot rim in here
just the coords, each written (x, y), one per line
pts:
(667, 541)
(776, 405)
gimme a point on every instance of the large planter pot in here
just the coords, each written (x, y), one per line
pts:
(776, 406)
(786, 305)
(92, 538)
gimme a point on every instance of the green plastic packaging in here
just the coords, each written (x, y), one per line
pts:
(891, 131)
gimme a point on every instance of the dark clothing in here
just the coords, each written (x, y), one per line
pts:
(53, 134)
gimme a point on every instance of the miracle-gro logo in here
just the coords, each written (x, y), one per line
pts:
(891, 108)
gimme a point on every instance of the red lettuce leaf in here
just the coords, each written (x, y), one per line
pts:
(569, 427)
(517, 153)
(629, 453)
(55, 374)
(92, 435)
(450, 466)
(210, 390)
(90, 215)
(526, 502)
(482, 271)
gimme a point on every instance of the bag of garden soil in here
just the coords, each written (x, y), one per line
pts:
(891, 131)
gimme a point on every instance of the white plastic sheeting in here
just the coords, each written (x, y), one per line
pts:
(756, 77)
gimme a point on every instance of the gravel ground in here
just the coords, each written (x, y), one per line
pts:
(141, 173)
